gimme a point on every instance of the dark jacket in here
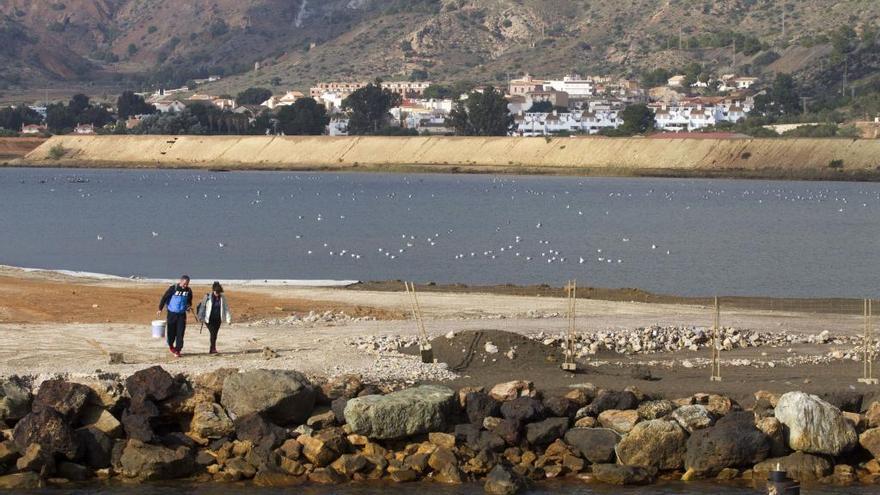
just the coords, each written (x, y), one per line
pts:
(175, 291)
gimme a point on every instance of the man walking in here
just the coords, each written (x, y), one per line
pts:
(178, 300)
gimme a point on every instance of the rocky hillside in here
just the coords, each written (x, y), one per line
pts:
(297, 42)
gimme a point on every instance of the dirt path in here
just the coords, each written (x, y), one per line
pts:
(48, 325)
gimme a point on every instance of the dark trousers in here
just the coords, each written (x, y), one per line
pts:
(176, 329)
(213, 329)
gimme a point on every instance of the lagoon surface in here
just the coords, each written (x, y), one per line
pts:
(679, 236)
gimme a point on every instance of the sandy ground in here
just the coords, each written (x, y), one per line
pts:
(48, 325)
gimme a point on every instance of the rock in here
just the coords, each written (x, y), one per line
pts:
(560, 407)
(622, 475)
(773, 429)
(324, 447)
(596, 445)
(97, 445)
(501, 481)
(48, 429)
(291, 449)
(344, 386)
(281, 396)
(444, 440)
(292, 467)
(255, 429)
(21, 481)
(845, 400)
(799, 466)
(350, 464)
(719, 406)
(107, 390)
(765, 402)
(655, 409)
(733, 442)
(37, 459)
(153, 462)
(693, 417)
(656, 444)
(210, 384)
(844, 474)
(587, 422)
(153, 384)
(239, 469)
(139, 425)
(101, 419)
(619, 421)
(580, 396)
(612, 400)
(326, 476)
(727, 474)
(512, 390)
(872, 415)
(338, 408)
(67, 398)
(870, 441)
(441, 458)
(15, 400)
(211, 421)
(272, 479)
(8, 452)
(479, 406)
(546, 431)
(323, 420)
(73, 472)
(508, 430)
(401, 414)
(523, 409)
(814, 425)
(404, 476)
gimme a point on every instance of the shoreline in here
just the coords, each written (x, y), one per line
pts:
(744, 158)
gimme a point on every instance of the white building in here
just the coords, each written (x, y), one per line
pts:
(698, 113)
(288, 98)
(545, 124)
(166, 106)
(338, 127)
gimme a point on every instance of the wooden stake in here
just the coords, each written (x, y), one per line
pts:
(568, 363)
(424, 345)
(716, 352)
(868, 371)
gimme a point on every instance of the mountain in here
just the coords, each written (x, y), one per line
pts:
(297, 42)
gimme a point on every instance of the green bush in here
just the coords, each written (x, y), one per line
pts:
(57, 152)
(835, 164)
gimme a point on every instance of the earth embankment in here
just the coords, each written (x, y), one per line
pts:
(743, 157)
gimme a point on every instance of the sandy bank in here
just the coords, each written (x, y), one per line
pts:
(772, 158)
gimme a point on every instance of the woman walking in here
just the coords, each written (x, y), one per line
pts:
(213, 310)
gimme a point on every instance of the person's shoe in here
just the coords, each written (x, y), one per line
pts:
(213, 351)
(171, 349)
(177, 353)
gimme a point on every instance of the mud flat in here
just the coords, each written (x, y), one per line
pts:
(842, 159)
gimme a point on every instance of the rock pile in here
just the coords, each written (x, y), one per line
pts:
(311, 319)
(279, 428)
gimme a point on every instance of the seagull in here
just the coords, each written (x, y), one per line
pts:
(155, 234)
(100, 237)
(221, 245)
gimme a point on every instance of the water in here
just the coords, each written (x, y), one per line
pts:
(688, 237)
(548, 488)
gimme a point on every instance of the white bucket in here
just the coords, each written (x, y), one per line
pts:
(159, 329)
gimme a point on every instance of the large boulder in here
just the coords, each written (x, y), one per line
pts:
(608, 399)
(501, 481)
(101, 419)
(655, 409)
(479, 406)
(98, 447)
(619, 421)
(733, 442)
(596, 445)
(656, 444)
(211, 421)
(512, 390)
(402, 414)
(21, 481)
(15, 400)
(68, 398)
(255, 429)
(523, 409)
(281, 396)
(870, 441)
(614, 474)
(547, 431)
(799, 466)
(48, 429)
(693, 417)
(146, 462)
(154, 384)
(815, 426)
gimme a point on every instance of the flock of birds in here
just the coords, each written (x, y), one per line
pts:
(577, 214)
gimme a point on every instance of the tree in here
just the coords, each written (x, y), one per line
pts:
(482, 114)
(12, 118)
(656, 77)
(368, 108)
(59, 118)
(129, 104)
(783, 97)
(304, 117)
(418, 75)
(253, 96)
(637, 119)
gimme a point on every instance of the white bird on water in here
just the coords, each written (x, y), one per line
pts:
(100, 237)
(155, 234)
(221, 245)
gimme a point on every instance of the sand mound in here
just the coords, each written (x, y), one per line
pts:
(476, 350)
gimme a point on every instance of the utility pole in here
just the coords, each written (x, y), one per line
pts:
(679, 38)
(734, 56)
(845, 74)
(804, 102)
